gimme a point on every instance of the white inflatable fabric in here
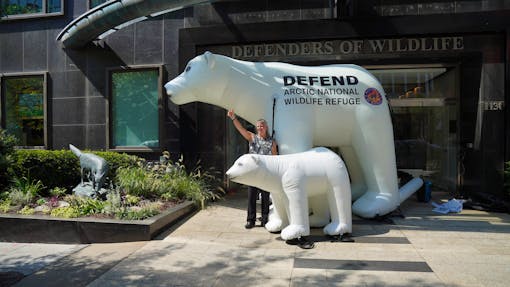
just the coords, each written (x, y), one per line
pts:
(292, 179)
(334, 105)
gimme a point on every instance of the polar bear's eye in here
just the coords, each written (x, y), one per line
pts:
(188, 68)
(240, 164)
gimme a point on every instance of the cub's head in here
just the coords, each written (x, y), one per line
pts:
(200, 81)
(245, 169)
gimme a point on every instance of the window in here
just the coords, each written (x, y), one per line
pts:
(424, 115)
(94, 3)
(135, 108)
(30, 8)
(397, 8)
(23, 108)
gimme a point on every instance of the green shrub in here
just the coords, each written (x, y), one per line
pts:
(18, 197)
(7, 143)
(113, 204)
(5, 205)
(65, 212)
(27, 185)
(136, 181)
(145, 211)
(58, 191)
(177, 183)
(41, 201)
(117, 160)
(61, 168)
(24, 190)
(54, 168)
(26, 210)
(85, 205)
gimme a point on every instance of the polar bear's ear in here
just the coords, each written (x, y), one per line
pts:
(210, 59)
(255, 159)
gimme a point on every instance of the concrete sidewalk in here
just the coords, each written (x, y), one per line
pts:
(212, 248)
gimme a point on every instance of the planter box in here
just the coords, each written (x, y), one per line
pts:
(46, 229)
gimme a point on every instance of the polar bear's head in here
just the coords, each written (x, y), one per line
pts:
(245, 169)
(200, 81)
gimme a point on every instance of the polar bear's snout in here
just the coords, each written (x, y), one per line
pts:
(178, 93)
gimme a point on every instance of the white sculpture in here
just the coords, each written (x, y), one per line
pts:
(292, 179)
(334, 105)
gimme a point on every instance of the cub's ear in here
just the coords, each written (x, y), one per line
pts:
(210, 59)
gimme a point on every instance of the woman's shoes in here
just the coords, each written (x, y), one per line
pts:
(249, 225)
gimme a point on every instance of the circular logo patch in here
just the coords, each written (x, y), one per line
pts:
(373, 96)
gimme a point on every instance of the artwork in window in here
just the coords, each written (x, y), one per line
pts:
(135, 108)
(26, 7)
(53, 6)
(24, 109)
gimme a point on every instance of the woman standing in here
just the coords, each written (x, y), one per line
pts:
(260, 143)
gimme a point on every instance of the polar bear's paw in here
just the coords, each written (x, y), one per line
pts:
(318, 221)
(372, 204)
(294, 231)
(336, 228)
(274, 225)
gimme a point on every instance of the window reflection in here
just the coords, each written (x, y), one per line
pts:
(24, 109)
(29, 7)
(135, 108)
(94, 3)
(424, 115)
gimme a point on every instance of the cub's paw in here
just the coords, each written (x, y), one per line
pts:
(294, 231)
(274, 225)
(336, 228)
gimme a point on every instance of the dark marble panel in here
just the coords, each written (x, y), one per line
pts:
(96, 137)
(56, 55)
(75, 60)
(65, 135)
(211, 128)
(12, 51)
(171, 45)
(96, 110)
(149, 42)
(69, 111)
(76, 8)
(214, 161)
(122, 44)
(35, 50)
(96, 83)
(68, 84)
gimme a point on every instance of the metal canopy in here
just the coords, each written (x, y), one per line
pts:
(114, 15)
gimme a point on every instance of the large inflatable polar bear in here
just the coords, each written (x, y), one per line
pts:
(292, 179)
(334, 105)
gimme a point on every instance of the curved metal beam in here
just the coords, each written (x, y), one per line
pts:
(115, 15)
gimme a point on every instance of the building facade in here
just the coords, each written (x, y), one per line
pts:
(443, 64)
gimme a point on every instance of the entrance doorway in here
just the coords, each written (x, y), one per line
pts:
(424, 107)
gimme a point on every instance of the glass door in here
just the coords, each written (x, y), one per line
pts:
(424, 107)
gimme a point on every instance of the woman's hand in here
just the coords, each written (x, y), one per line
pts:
(231, 114)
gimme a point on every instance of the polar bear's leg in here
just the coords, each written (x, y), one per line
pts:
(292, 183)
(374, 147)
(294, 135)
(339, 198)
(320, 210)
(278, 215)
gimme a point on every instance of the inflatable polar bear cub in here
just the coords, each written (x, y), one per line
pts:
(292, 179)
(339, 106)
